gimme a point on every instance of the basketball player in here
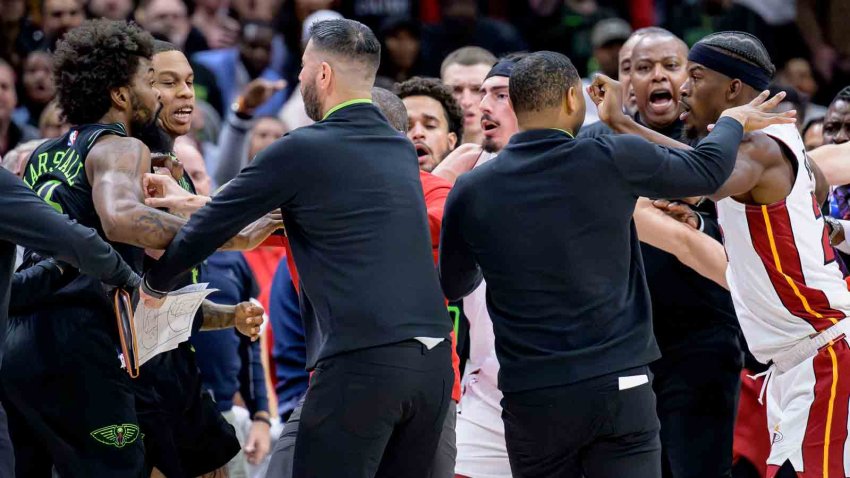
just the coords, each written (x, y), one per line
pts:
(169, 398)
(787, 289)
(80, 405)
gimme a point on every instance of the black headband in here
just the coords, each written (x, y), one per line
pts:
(720, 62)
(502, 68)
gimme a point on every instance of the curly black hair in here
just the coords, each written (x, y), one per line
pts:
(433, 88)
(93, 59)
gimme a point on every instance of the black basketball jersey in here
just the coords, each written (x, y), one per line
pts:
(56, 172)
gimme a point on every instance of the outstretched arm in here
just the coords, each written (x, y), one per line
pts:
(26, 220)
(833, 162)
(693, 248)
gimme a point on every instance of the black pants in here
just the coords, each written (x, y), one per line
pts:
(184, 433)
(70, 404)
(597, 428)
(375, 412)
(697, 386)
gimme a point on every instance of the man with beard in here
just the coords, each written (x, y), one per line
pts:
(434, 120)
(93, 174)
(169, 396)
(574, 340)
(80, 406)
(377, 331)
(697, 377)
(789, 294)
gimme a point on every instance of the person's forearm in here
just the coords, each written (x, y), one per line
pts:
(133, 223)
(657, 171)
(26, 220)
(832, 161)
(692, 248)
(232, 149)
(810, 28)
(626, 125)
(217, 316)
(252, 382)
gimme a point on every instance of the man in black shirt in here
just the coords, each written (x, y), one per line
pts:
(376, 327)
(698, 375)
(566, 291)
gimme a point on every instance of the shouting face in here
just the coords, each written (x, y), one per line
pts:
(174, 79)
(659, 68)
(428, 128)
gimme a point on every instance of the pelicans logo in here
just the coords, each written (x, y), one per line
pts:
(117, 435)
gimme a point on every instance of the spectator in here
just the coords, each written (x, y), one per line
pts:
(462, 26)
(401, 47)
(243, 136)
(17, 34)
(813, 133)
(375, 14)
(289, 352)
(15, 160)
(52, 123)
(434, 120)
(220, 30)
(608, 37)
(111, 9)
(234, 67)
(821, 24)
(568, 30)
(797, 73)
(169, 20)
(57, 17)
(38, 87)
(11, 133)
(463, 72)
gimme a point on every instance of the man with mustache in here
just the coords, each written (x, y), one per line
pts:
(789, 294)
(434, 120)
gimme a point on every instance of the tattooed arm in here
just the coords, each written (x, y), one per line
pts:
(245, 316)
(114, 169)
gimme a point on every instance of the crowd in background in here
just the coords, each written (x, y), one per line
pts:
(233, 43)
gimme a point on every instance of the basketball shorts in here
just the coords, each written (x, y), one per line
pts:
(807, 414)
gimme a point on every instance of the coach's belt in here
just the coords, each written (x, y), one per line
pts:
(803, 350)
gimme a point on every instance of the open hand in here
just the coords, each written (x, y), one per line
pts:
(758, 114)
(248, 319)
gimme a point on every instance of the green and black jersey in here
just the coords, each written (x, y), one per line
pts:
(56, 172)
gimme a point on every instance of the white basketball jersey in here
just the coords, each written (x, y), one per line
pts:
(782, 272)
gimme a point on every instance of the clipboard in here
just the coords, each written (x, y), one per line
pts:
(123, 306)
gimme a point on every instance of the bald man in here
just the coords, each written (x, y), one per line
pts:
(376, 328)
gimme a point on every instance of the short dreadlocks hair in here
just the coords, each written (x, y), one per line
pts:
(742, 46)
(433, 88)
(93, 59)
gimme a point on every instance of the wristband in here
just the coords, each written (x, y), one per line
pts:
(262, 418)
(151, 292)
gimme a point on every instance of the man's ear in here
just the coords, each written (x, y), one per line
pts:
(452, 141)
(735, 89)
(325, 75)
(571, 103)
(120, 97)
